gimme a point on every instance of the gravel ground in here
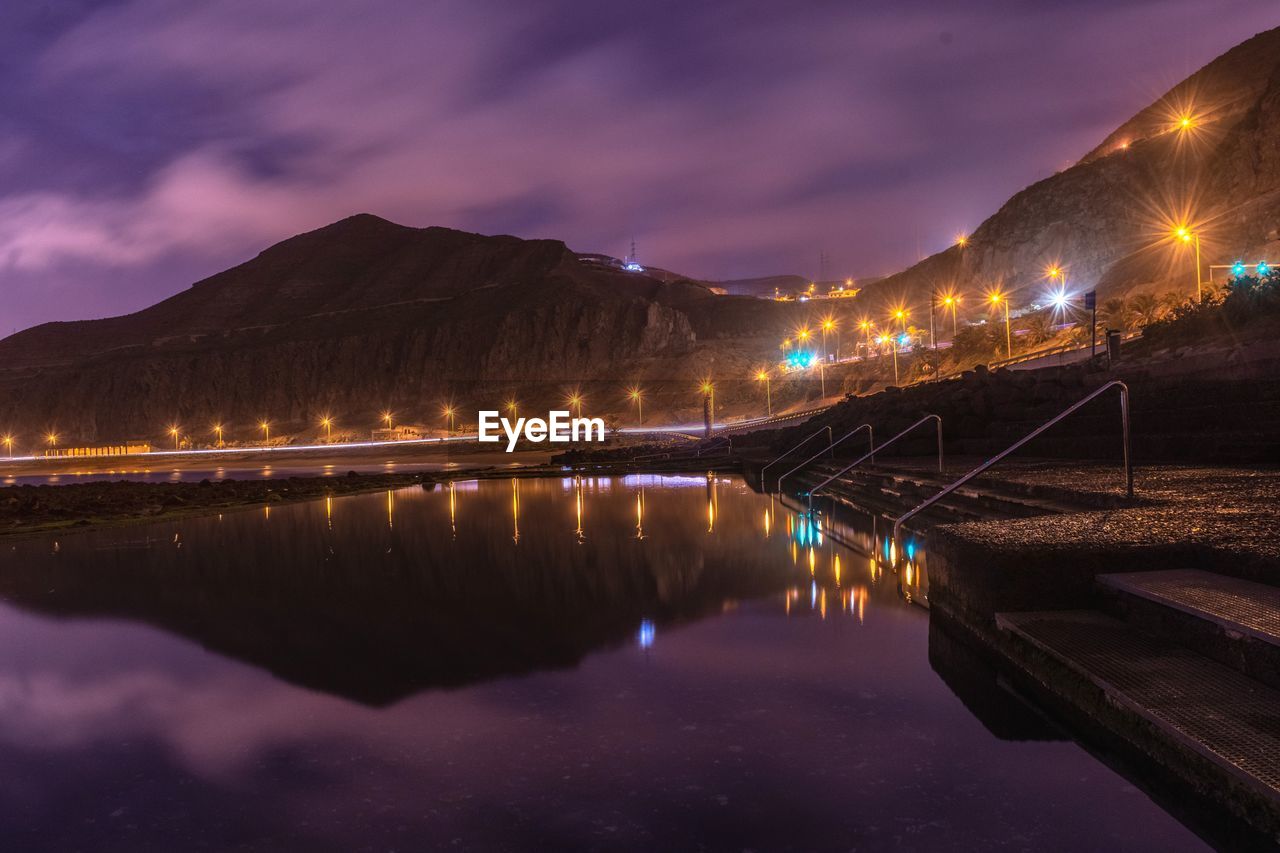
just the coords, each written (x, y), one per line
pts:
(1232, 510)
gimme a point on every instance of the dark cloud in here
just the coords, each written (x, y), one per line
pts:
(145, 143)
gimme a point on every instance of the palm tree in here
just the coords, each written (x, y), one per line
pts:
(1039, 328)
(1172, 301)
(1145, 308)
(1115, 313)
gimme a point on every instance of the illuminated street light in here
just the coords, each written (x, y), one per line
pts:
(386, 416)
(265, 426)
(513, 407)
(174, 431)
(635, 395)
(866, 325)
(1058, 299)
(885, 339)
(217, 428)
(8, 443)
(962, 240)
(709, 404)
(52, 438)
(1186, 235)
(762, 375)
(951, 301)
(998, 298)
(449, 412)
(901, 316)
(828, 325)
(575, 401)
(327, 423)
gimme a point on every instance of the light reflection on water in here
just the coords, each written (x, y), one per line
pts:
(638, 663)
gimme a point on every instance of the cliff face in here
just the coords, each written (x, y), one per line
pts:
(1107, 219)
(364, 315)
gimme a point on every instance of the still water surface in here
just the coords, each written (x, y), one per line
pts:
(630, 663)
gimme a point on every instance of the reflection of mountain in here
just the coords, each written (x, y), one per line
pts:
(375, 612)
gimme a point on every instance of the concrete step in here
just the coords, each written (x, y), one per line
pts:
(1236, 622)
(894, 492)
(1215, 729)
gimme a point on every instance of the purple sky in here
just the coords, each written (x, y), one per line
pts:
(145, 144)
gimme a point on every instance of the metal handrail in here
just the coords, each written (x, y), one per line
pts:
(871, 440)
(794, 449)
(1128, 458)
(875, 450)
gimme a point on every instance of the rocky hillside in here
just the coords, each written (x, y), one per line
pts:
(365, 315)
(1206, 156)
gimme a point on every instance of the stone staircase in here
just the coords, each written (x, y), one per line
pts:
(890, 492)
(1181, 665)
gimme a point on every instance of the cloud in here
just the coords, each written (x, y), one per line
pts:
(724, 137)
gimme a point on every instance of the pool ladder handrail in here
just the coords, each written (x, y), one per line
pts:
(802, 443)
(871, 440)
(1124, 424)
(875, 450)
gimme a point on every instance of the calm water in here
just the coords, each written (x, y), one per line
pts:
(632, 663)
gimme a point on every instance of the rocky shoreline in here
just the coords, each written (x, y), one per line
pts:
(30, 510)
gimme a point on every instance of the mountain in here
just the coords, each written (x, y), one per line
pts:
(365, 314)
(1205, 155)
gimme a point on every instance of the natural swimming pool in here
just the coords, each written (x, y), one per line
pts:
(614, 663)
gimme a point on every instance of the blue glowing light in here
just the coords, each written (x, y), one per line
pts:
(911, 550)
(1264, 268)
(1058, 299)
(904, 339)
(646, 634)
(632, 266)
(1238, 269)
(800, 359)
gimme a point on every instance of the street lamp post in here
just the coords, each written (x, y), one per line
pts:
(893, 345)
(933, 337)
(217, 428)
(8, 443)
(513, 407)
(327, 423)
(448, 413)
(708, 406)
(828, 325)
(998, 299)
(637, 397)
(265, 426)
(763, 376)
(950, 301)
(174, 431)
(386, 416)
(1186, 235)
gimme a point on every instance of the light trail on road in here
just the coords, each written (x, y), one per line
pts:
(231, 452)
